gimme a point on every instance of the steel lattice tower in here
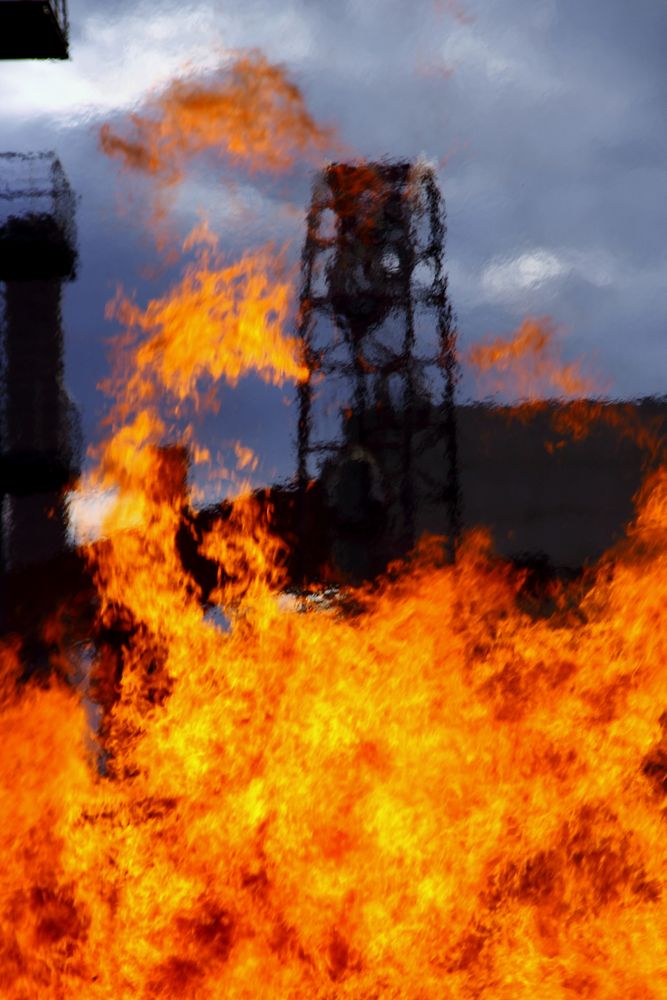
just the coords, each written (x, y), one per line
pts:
(375, 318)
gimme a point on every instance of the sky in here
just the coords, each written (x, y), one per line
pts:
(545, 120)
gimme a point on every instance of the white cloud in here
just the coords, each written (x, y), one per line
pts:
(241, 210)
(113, 64)
(513, 279)
(507, 278)
(486, 54)
(116, 61)
(470, 52)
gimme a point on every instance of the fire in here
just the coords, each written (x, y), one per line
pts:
(220, 321)
(528, 367)
(442, 795)
(424, 792)
(528, 364)
(248, 113)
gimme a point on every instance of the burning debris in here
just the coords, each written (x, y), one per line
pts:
(441, 794)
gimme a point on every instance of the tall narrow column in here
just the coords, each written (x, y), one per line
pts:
(37, 457)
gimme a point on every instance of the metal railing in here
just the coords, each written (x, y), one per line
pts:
(35, 184)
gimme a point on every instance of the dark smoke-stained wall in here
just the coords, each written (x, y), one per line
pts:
(543, 491)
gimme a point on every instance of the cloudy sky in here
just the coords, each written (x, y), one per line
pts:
(546, 119)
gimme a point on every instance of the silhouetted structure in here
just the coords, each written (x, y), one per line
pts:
(553, 482)
(379, 343)
(38, 428)
(33, 29)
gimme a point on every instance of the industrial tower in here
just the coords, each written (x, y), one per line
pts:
(38, 423)
(37, 253)
(378, 338)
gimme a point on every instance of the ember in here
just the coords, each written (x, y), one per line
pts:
(438, 795)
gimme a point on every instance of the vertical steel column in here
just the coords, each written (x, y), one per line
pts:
(447, 361)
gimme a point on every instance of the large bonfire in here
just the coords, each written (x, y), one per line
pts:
(438, 796)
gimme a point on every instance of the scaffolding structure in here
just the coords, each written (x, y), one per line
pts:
(375, 320)
(34, 29)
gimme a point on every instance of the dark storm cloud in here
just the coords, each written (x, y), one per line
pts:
(549, 117)
(554, 115)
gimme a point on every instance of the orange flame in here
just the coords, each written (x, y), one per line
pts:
(438, 796)
(220, 321)
(248, 114)
(444, 796)
(528, 365)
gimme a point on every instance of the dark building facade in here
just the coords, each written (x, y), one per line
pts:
(33, 29)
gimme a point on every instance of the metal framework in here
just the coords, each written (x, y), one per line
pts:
(34, 29)
(375, 316)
